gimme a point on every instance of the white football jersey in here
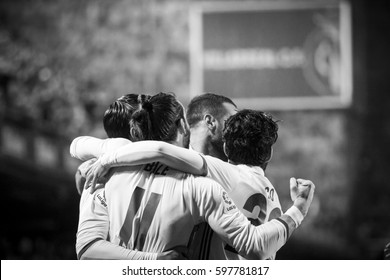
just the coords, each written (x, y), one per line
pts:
(153, 208)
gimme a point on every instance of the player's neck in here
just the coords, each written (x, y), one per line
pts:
(198, 139)
(178, 142)
(218, 153)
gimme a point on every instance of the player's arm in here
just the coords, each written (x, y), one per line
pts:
(87, 147)
(102, 249)
(93, 231)
(81, 173)
(221, 171)
(120, 151)
(256, 242)
(143, 152)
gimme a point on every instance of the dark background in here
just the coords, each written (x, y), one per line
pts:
(61, 64)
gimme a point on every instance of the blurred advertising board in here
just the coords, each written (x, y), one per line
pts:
(273, 55)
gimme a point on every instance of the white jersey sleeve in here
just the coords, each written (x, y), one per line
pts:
(87, 147)
(93, 220)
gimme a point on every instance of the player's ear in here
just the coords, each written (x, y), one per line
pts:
(270, 155)
(183, 127)
(211, 122)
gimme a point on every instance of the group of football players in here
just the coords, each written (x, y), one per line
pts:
(171, 183)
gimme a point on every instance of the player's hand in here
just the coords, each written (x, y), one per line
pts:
(302, 193)
(178, 253)
(95, 176)
(81, 174)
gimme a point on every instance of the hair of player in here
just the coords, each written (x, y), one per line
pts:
(249, 136)
(208, 103)
(117, 116)
(156, 118)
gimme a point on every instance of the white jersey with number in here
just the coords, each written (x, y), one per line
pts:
(153, 208)
(252, 193)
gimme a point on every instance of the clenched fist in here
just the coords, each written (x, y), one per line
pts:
(302, 193)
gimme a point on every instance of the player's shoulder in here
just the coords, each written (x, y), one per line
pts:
(214, 160)
(219, 165)
(251, 171)
(204, 180)
(206, 184)
(195, 180)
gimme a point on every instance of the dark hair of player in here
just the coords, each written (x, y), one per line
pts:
(249, 136)
(208, 103)
(156, 118)
(117, 116)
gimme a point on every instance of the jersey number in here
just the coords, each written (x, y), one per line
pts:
(259, 200)
(145, 221)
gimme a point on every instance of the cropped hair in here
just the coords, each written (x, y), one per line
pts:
(117, 116)
(208, 103)
(249, 136)
(156, 118)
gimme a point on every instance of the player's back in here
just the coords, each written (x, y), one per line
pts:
(152, 207)
(250, 190)
(252, 193)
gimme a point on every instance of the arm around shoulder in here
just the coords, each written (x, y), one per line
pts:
(87, 147)
(143, 152)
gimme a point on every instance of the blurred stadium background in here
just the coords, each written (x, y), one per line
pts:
(62, 62)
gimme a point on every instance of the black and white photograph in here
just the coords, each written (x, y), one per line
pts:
(234, 135)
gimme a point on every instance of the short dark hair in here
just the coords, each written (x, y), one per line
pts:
(249, 136)
(156, 118)
(208, 103)
(117, 116)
